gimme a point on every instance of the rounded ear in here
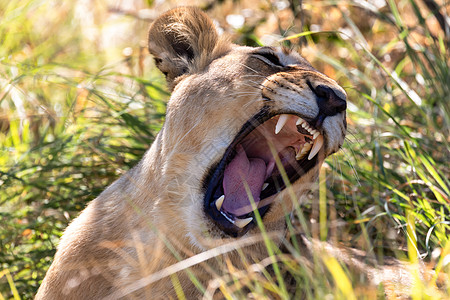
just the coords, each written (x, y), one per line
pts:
(180, 39)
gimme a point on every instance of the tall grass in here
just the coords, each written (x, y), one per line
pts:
(71, 122)
(74, 116)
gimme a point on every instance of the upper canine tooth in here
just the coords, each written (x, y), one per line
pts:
(316, 147)
(281, 121)
(299, 121)
(219, 202)
(265, 185)
(241, 223)
(316, 134)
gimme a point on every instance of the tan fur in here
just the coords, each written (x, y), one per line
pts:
(153, 216)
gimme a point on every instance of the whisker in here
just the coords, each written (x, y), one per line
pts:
(254, 75)
(251, 69)
(349, 132)
(258, 85)
(351, 165)
(350, 142)
(239, 93)
(341, 174)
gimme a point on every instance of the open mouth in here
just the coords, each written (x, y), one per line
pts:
(250, 174)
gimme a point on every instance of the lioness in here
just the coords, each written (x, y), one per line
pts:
(245, 134)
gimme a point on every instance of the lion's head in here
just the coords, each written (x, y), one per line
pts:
(242, 125)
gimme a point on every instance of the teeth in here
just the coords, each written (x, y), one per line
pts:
(281, 121)
(316, 147)
(226, 217)
(301, 153)
(241, 223)
(265, 185)
(219, 202)
(307, 146)
(304, 124)
(316, 134)
(299, 121)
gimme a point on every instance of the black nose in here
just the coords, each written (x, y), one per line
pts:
(330, 103)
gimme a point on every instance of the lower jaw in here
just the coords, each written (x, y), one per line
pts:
(282, 201)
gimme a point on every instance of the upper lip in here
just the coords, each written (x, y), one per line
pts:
(237, 225)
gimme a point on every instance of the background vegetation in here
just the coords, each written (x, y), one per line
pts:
(80, 103)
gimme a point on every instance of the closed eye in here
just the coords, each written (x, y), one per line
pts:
(270, 58)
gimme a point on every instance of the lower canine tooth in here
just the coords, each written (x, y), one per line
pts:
(301, 153)
(241, 223)
(318, 143)
(265, 185)
(219, 202)
(281, 121)
(306, 148)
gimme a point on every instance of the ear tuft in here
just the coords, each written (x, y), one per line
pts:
(180, 39)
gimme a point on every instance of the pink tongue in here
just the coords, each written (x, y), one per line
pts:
(239, 172)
